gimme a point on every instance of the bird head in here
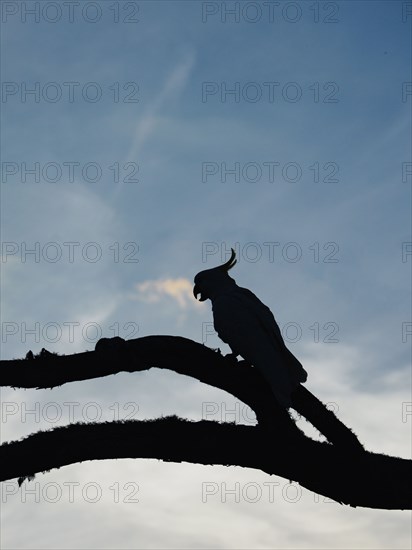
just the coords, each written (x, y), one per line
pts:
(210, 282)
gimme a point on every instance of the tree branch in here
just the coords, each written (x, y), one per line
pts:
(374, 481)
(343, 471)
(181, 355)
(184, 357)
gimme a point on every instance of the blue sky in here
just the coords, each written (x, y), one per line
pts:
(323, 239)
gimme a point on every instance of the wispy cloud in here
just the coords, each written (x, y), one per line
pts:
(173, 85)
(179, 289)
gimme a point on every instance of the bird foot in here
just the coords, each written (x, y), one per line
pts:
(231, 358)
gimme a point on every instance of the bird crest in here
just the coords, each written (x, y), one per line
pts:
(210, 280)
(230, 263)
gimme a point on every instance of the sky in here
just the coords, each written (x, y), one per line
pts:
(140, 141)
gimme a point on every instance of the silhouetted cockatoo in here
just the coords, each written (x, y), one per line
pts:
(243, 322)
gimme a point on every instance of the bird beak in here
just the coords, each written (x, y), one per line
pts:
(196, 292)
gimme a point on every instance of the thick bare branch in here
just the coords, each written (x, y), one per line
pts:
(342, 471)
(363, 479)
(182, 356)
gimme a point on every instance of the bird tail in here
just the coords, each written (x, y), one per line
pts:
(324, 420)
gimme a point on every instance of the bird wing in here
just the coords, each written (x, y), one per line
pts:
(266, 318)
(249, 327)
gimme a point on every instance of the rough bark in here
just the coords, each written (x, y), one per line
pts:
(343, 471)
